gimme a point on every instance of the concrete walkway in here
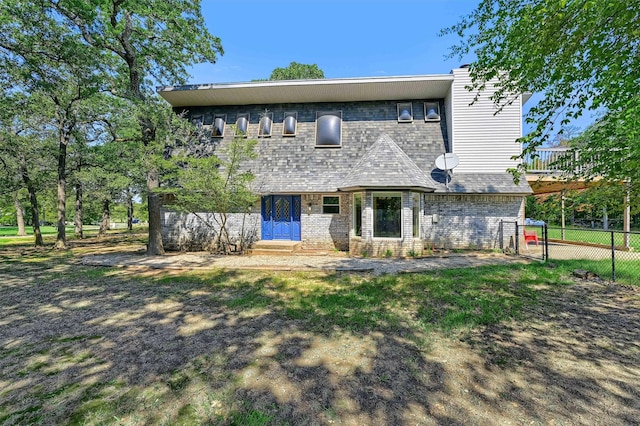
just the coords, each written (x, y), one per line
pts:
(330, 262)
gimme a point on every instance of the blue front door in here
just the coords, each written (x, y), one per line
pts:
(281, 217)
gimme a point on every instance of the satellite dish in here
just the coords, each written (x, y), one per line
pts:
(447, 161)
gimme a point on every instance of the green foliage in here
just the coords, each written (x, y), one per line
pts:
(580, 55)
(296, 71)
(218, 184)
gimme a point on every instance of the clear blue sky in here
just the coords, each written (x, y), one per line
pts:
(347, 38)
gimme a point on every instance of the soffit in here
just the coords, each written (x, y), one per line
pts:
(307, 91)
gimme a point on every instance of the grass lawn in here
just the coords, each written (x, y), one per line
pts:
(521, 343)
(12, 231)
(592, 236)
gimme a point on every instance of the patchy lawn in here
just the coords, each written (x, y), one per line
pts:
(516, 344)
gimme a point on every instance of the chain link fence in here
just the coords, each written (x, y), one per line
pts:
(611, 254)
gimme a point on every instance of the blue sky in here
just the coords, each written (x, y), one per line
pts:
(345, 38)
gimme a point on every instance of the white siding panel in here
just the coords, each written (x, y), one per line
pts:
(448, 109)
(484, 142)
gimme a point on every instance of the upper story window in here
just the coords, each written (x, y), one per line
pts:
(242, 124)
(330, 204)
(290, 124)
(197, 121)
(266, 123)
(405, 112)
(329, 129)
(217, 130)
(432, 111)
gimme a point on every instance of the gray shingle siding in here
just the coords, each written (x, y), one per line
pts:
(289, 164)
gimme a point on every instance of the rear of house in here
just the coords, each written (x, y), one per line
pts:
(350, 164)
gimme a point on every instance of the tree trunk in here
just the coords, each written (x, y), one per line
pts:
(19, 216)
(78, 221)
(33, 200)
(61, 238)
(106, 218)
(129, 210)
(154, 247)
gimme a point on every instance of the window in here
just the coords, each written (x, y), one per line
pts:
(431, 111)
(330, 205)
(219, 121)
(328, 129)
(387, 215)
(242, 124)
(357, 215)
(290, 124)
(416, 215)
(197, 121)
(266, 122)
(405, 112)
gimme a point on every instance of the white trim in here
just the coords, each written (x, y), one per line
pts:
(331, 205)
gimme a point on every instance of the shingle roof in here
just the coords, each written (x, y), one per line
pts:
(480, 183)
(386, 165)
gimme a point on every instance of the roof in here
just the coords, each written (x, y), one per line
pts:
(480, 183)
(433, 86)
(386, 165)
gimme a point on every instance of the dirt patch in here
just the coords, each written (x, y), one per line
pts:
(95, 345)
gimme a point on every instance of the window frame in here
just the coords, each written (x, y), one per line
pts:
(238, 117)
(293, 114)
(427, 104)
(357, 220)
(320, 114)
(213, 125)
(269, 116)
(325, 204)
(401, 106)
(197, 120)
(386, 194)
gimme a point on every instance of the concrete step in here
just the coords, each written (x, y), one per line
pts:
(275, 248)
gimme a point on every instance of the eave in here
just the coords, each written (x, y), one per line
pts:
(306, 91)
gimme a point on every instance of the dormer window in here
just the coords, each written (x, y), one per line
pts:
(329, 129)
(290, 124)
(266, 122)
(405, 112)
(219, 120)
(242, 124)
(431, 111)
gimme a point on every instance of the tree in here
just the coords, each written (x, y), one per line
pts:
(296, 71)
(135, 44)
(216, 184)
(581, 55)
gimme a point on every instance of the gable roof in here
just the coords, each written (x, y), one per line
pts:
(385, 165)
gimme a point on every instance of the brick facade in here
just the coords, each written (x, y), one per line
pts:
(294, 165)
(470, 220)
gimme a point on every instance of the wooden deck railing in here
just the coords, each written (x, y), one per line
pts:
(557, 160)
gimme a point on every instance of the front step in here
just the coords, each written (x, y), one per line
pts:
(275, 248)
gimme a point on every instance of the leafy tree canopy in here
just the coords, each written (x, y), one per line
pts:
(581, 55)
(296, 71)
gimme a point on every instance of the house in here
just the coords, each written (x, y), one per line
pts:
(351, 163)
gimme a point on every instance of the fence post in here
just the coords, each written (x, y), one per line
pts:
(517, 239)
(546, 242)
(613, 257)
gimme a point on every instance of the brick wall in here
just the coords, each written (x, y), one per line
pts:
(190, 232)
(326, 231)
(469, 221)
